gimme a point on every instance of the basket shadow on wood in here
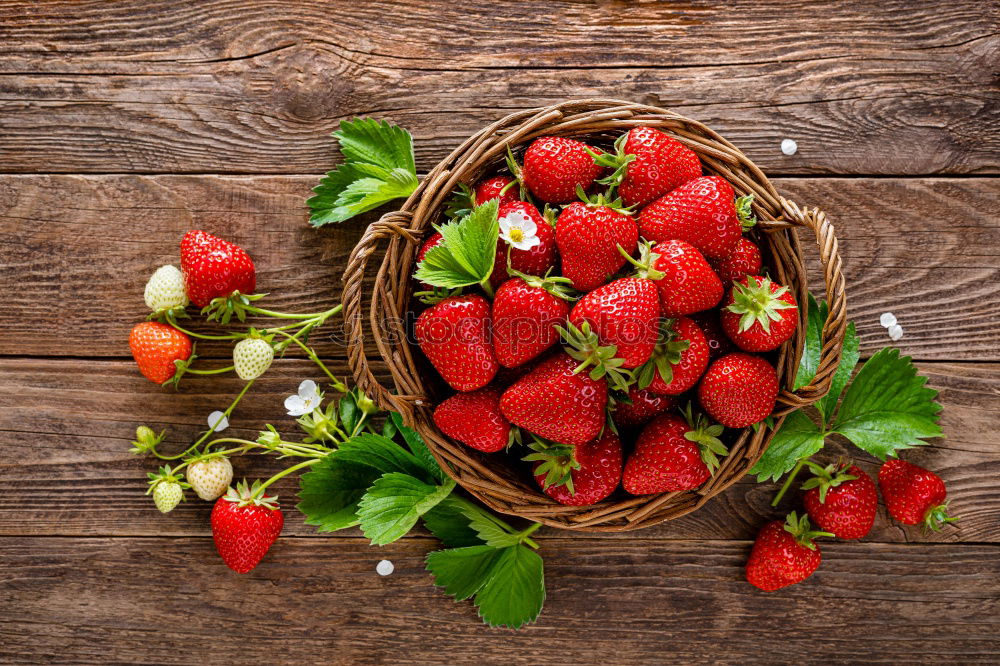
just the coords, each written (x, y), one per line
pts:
(505, 485)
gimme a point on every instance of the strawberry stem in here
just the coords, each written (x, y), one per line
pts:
(214, 371)
(788, 481)
(281, 474)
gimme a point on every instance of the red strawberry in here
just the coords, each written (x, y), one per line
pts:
(758, 315)
(718, 343)
(641, 407)
(578, 475)
(525, 319)
(624, 313)
(554, 167)
(455, 337)
(739, 390)
(432, 241)
(673, 454)
(475, 420)
(742, 261)
(679, 359)
(557, 402)
(913, 494)
(701, 212)
(686, 282)
(588, 236)
(536, 261)
(783, 554)
(648, 164)
(841, 499)
(155, 347)
(502, 188)
(244, 527)
(214, 268)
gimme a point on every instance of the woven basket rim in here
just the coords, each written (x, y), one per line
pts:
(390, 297)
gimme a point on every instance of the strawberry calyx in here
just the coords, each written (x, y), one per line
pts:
(223, 308)
(517, 173)
(557, 463)
(244, 495)
(745, 212)
(937, 517)
(558, 286)
(461, 203)
(586, 348)
(644, 264)
(666, 354)
(705, 434)
(435, 295)
(182, 365)
(618, 160)
(757, 303)
(802, 530)
(146, 440)
(827, 477)
(165, 475)
(601, 200)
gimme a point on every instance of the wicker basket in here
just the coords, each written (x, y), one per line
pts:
(505, 485)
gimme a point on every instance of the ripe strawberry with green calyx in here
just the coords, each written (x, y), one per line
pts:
(841, 499)
(603, 360)
(475, 420)
(167, 488)
(556, 402)
(738, 390)
(914, 495)
(588, 235)
(758, 314)
(252, 356)
(784, 553)
(623, 314)
(639, 406)
(578, 475)
(157, 349)
(673, 453)
(744, 260)
(555, 167)
(527, 311)
(245, 523)
(686, 281)
(214, 268)
(678, 360)
(647, 164)
(702, 212)
(538, 260)
(455, 337)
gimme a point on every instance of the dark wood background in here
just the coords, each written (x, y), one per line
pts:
(123, 125)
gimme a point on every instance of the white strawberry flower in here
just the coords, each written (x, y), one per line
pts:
(307, 399)
(218, 421)
(165, 289)
(519, 230)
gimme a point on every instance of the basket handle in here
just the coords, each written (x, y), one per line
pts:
(832, 336)
(390, 225)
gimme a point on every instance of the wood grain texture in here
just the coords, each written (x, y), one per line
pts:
(875, 87)
(926, 249)
(78, 479)
(608, 601)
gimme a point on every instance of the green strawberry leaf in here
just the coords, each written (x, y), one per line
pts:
(466, 254)
(809, 363)
(797, 438)
(380, 453)
(448, 522)
(887, 408)
(394, 503)
(418, 447)
(849, 358)
(379, 167)
(329, 492)
(514, 594)
(462, 571)
(490, 530)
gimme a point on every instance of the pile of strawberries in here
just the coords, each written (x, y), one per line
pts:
(601, 319)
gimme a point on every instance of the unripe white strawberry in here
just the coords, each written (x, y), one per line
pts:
(165, 289)
(252, 357)
(210, 478)
(167, 495)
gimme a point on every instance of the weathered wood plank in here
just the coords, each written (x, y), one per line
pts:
(82, 247)
(132, 600)
(873, 88)
(65, 427)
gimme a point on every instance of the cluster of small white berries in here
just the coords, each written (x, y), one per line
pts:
(888, 320)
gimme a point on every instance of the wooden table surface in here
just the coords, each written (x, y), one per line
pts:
(123, 125)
